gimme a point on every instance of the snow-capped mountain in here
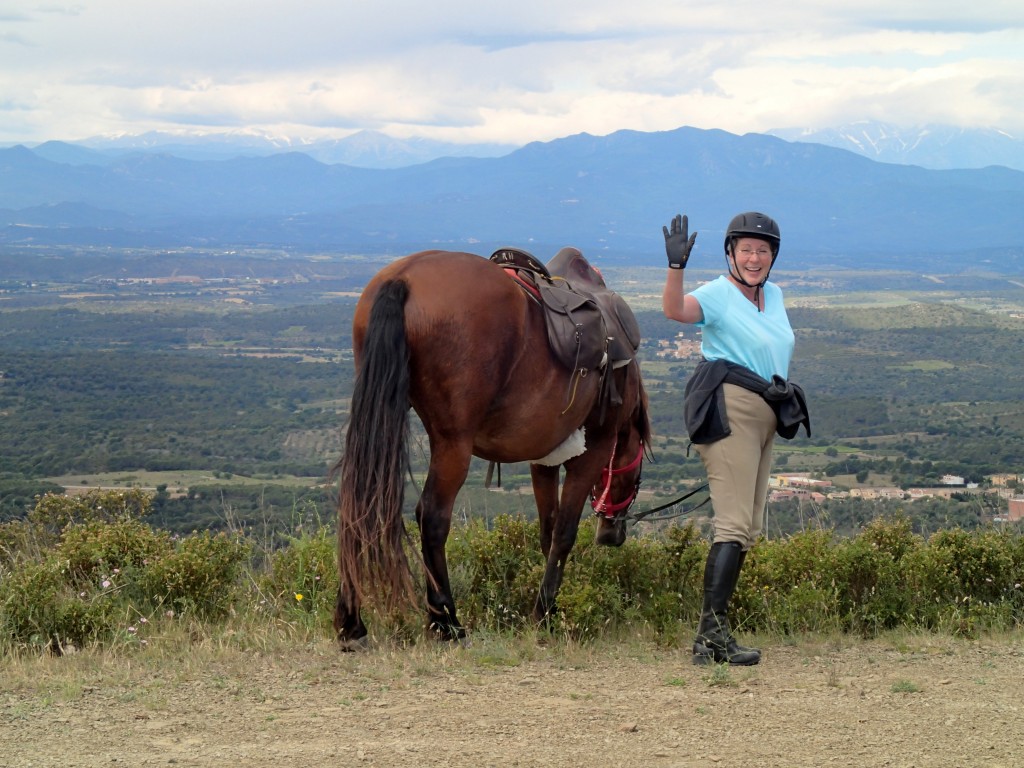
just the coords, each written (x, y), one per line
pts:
(938, 147)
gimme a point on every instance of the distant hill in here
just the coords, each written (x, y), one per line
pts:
(609, 195)
(940, 147)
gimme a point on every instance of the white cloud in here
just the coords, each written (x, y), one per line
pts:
(486, 71)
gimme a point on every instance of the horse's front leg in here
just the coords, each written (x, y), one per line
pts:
(563, 537)
(448, 470)
(561, 545)
(545, 494)
(579, 474)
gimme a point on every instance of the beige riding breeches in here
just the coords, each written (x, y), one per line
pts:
(739, 466)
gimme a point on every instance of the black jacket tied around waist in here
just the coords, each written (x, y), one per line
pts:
(704, 403)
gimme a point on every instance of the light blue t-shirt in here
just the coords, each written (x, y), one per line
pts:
(733, 329)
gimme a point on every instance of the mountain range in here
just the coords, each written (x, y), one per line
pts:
(609, 195)
(364, 149)
(940, 147)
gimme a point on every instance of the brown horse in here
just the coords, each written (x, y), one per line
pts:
(458, 340)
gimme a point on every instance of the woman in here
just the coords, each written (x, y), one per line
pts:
(736, 400)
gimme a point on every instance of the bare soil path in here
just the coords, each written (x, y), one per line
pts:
(917, 701)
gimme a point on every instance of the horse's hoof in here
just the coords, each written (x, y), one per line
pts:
(353, 645)
(455, 638)
(447, 633)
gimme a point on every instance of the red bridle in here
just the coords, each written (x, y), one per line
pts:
(600, 503)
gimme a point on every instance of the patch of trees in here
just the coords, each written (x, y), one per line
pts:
(262, 511)
(176, 327)
(849, 516)
(18, 495)
(160, 387)
(109, 411)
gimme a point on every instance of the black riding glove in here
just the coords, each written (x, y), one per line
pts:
(677, 245)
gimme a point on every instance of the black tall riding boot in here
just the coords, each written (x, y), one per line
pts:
(714, 643)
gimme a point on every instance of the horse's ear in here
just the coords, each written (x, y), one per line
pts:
(568, 253)
(571, 264)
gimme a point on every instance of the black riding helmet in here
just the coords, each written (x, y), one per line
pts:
(753, 224)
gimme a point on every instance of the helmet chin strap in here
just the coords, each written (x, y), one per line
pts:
(730, 260)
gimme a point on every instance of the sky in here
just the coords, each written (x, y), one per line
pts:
(476, 71)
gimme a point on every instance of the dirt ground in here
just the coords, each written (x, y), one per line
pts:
(917, 701)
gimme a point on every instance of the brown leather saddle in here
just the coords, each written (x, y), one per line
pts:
(590, 327)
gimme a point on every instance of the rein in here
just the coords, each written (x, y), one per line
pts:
(638, 516)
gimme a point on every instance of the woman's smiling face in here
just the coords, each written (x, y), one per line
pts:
(753, 258)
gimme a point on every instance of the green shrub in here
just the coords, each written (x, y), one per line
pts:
(497, 571)
(672, 586)
(975, 580)
(50, 602)
(893, 535)
(17, 542)
(874, 596)
(97, 549)
(53, 512)
(198, 576)
(883, 578)
(38, 608)
(647, 582)
(789, 585)
(303, 575)
(980, 563)
(89, 569)
(652, 582)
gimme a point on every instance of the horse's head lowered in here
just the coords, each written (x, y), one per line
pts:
(619, 483)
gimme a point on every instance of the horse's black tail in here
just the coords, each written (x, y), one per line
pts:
(371, 557)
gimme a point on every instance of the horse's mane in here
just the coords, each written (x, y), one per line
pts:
(642, 415)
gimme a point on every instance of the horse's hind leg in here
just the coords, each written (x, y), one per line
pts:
(448, 470)
(348, 623)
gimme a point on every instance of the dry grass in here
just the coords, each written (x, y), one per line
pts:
(179, 652)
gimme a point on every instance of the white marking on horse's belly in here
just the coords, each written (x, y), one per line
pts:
(572, 446)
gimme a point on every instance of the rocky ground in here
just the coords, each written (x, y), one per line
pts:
(917, 701)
